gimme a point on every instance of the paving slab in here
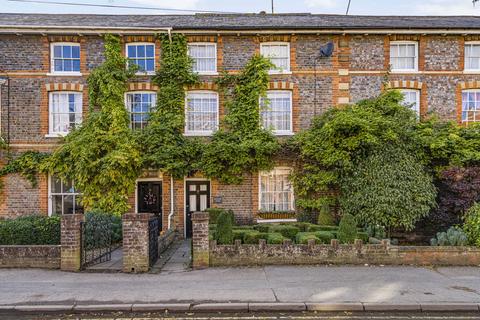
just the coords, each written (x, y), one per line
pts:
(220, 307)
(354, 306)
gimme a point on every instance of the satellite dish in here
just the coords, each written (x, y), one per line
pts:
(326, 50)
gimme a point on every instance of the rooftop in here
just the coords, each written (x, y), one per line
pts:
(297, 21)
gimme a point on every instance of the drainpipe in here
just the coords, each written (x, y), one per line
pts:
(170, 215)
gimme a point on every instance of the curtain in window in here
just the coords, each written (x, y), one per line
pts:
(276, 192)
(471, 106)
(202, 112)
(204, 57)
(277, 111)
(65, 111)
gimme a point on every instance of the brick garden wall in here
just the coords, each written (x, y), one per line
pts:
(40, 256)
(355, 254)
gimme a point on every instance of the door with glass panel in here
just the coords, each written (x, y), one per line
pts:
(197, 199)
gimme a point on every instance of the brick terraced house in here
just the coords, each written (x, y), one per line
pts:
(45, 61)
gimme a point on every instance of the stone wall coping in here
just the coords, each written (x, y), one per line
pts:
(23, 246)
(200, 216)
(138, 216)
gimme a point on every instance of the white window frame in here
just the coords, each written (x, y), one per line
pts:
(465, 57)
(51, 194)
(476, 112)
(139, 72)
(214, 44)
(417, 99)
(52, 59)
(415, 68)
(129, 109)
(278, 43)
(200, 133)
(280, 132)
(51, 133)
(292, 200)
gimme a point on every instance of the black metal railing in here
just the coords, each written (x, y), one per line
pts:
(96, 240)
(153, 241)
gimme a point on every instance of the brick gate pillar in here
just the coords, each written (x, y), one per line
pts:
(71, 241)
(136, 242)
(200, 242)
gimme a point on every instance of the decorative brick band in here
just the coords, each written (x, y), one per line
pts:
(404, 37)
(201, 39)
(277, 85)
(405, 84)
(69, 38)
(275, 37)
(142, 86)
(139, 39)
(64, 87)
(469, 85)
(203, 86)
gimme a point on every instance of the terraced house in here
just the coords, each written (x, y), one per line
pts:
(45, 60)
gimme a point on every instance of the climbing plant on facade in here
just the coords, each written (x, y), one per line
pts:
(163, 144)
(101, 156)
(338, 139)
(241, 144)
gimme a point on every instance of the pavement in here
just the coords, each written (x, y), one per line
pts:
(271, 288)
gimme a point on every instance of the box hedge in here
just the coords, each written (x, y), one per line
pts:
(263, 227)
(253, 236)
(30, 230)
(325, 236)
(223, 233)
(303, 237)
(275, 238)
(316, 227)
(287, 231)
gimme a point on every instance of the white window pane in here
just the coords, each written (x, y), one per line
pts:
(276, 113)
(471, 105)
(201, 112)
(276, 193)
(204, 57)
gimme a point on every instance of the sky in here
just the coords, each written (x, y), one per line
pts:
(360, 7)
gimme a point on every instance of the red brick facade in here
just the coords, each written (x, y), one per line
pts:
(355, 71)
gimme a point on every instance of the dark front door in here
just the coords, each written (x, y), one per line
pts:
(197, 199)
(149, 199)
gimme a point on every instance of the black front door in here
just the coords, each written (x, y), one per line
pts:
(197, 199)
(149, 199)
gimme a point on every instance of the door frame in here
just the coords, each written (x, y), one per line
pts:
(185, 199)
(146, 180)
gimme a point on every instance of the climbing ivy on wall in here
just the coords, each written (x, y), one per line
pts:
(102, 155)
(163, 144)
(241, 144)
(28, 165)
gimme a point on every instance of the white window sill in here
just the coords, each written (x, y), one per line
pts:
(209, 73)
(55, 135)
(404, 71)
(149, 73)
(65, 74)
(283, 133)
(198, 134)
(471, 71)
(260, 220)
(279, 72)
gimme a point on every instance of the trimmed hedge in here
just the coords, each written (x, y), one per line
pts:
(287, 231)
(275, 238)
(223, 233)
(315, 227)
(303, 237)
(325, 236)
(30, 230)
(253, 236)
(262, 227)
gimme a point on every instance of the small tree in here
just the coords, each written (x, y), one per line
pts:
(472, 224)
(347, 229)
(389, 187)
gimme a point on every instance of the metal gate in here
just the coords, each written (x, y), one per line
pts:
(96, 241)
(153, 240)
